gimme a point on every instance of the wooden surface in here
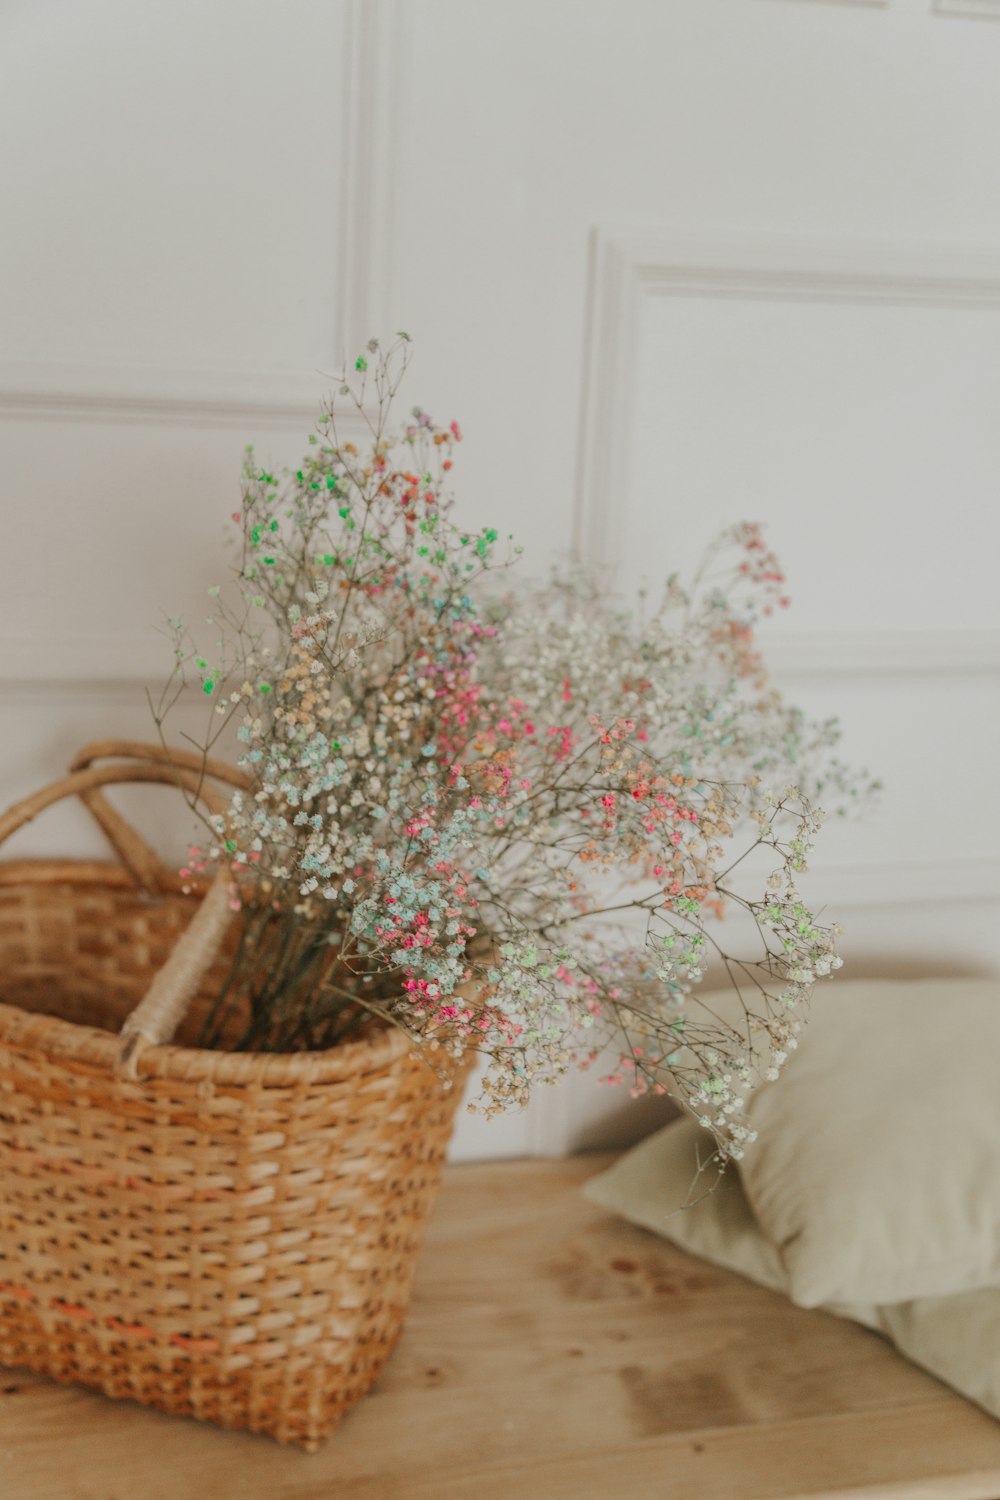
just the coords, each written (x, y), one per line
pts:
(552, 1353)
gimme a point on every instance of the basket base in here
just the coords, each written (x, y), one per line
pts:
(262, 1399)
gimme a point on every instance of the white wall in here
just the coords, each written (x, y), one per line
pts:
(671, 262)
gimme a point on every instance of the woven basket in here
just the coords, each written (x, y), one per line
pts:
(228, 1236)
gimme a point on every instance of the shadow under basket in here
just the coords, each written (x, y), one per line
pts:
(228, 1236)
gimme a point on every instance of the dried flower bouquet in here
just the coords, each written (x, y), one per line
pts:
(506, 820)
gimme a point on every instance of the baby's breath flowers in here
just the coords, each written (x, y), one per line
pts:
(502, 821)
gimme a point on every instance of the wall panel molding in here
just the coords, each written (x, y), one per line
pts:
(120, 394)
(882, 653)
(628, 266)
(49, 391)
(904, 883)
(368, 171)
(95, 663)
(864, 4)
(978, 10)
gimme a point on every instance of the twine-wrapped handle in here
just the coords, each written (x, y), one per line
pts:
(160, 1012)
(162, 1008)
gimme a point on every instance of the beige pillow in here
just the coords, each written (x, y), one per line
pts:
(874, 1174)
(956, 1338)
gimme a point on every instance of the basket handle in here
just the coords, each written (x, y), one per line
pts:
(143, 863)
(160, 1012)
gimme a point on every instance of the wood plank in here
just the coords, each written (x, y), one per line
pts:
(818, 1459)
(553, 1352)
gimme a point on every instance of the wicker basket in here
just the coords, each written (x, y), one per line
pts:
(228, 1236)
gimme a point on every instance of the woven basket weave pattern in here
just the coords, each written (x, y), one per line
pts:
(231, 1237)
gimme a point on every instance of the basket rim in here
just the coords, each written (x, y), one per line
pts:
(91, 1045)
(73, 1042)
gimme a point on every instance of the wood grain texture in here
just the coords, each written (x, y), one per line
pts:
(553, 1353)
